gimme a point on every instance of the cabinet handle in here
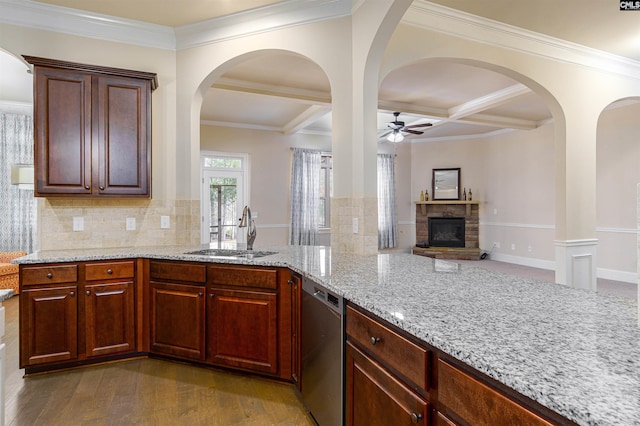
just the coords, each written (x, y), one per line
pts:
(200, 294)
(87, 187)
(101, 188)
(72, 293)
(88, 292)
(416, 417)
(49, 275)
(375, 340)
(109, 271)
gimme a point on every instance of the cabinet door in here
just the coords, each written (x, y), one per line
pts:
(178, 320)
(123, 139)
(243, 329)
(62, 132)
(375, 397)
(48, 325)
(109, 318)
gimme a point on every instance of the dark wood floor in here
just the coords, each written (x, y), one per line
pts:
(142, 392)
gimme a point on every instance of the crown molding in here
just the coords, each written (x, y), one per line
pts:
(42, 16)
(28, 13)
(269, 18)
(441, 19)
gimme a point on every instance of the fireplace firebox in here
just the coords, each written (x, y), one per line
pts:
(446, 231)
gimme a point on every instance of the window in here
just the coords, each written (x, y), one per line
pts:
(326, 190)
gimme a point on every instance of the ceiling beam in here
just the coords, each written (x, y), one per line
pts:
(311, 114)
(292, 93)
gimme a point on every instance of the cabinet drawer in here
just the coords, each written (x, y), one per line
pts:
(108, 270)
(243, 277)
(34, 275)
(178, 271)
(478, 404)
(390, 348)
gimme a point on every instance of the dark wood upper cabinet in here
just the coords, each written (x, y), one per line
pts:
(92, 130)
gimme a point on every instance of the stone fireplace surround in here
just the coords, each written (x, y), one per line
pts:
(469, 210)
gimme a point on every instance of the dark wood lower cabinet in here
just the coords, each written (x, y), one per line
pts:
(375, 397)
(178, 320)
(109, 318)
(48, 325)
(243, 328)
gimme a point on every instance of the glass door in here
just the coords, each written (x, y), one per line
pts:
(223, 192)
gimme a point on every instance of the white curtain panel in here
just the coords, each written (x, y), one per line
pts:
(17, 221)
(387, 209)
(305, 196)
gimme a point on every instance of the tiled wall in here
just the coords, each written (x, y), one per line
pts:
(343, 239)
(105, 220)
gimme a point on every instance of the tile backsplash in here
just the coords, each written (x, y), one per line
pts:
(104, 223)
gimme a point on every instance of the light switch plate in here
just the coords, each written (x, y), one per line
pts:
(355, 225)
(78, 223)
(131, 224)
(165, 222)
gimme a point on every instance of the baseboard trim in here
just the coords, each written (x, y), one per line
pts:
(607, 274)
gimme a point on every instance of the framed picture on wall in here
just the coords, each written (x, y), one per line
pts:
(446, 184)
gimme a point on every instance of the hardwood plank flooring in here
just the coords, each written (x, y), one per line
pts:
(142, 392)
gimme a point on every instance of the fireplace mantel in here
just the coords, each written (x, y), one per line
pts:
(469, 210)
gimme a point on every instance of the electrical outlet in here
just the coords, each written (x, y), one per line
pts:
(497, 244)
(513, 246)
(78, 223)
(530, 249)
(254, 215)
(165, 222)
(355, 225)
(131, 224)
(495, 211)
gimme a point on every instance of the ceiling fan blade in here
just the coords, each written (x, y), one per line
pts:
(418, 125)
(394, 126)
(413, 132)
(385, 134)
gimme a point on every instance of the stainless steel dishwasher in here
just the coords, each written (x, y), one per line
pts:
(322, 340)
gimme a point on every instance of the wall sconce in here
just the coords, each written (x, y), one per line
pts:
(22, 175)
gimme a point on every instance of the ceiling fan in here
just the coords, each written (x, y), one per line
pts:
(396, 128)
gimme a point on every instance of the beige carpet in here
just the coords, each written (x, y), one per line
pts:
(617, 288)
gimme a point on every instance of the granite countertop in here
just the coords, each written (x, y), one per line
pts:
(573, 351)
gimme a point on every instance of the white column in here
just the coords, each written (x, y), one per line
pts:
(576, 263)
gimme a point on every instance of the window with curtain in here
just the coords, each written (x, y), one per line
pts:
(387, 209)
(17, 221)
(305, 196)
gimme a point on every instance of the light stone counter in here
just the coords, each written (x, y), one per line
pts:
(575, 352)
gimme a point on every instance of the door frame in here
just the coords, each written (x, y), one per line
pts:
(243, 192)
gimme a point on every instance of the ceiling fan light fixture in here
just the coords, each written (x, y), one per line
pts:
(395, 136)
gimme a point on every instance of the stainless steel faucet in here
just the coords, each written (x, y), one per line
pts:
(250, 224)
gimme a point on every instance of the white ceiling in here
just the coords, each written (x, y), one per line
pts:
(288, 94)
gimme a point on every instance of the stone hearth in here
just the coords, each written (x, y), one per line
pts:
(469, 210)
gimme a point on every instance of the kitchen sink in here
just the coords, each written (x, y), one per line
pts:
(231, 253)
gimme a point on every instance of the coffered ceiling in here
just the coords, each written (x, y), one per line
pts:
(286, 93)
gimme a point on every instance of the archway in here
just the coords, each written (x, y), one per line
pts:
(262, 104)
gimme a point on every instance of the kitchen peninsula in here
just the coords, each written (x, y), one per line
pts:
(566, 354)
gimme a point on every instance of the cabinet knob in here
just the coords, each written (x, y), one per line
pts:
(211, 295)
(416, 417)
(200, 294)
(375, 340)
(49, 275)
(109, 271)
(101, 188)
(87, 187)
(72, 293)
(290, 282)
(88, 292)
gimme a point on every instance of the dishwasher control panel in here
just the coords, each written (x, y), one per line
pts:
(321, 293)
